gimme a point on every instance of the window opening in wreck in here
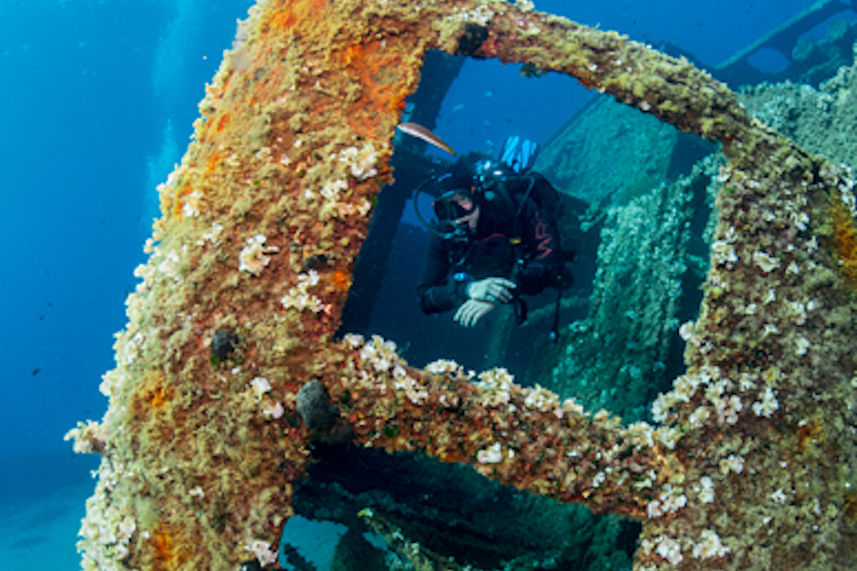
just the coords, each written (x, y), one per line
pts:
(474, 105)
(807, 49)
(636, 205)
(769, 60)
(641, 256)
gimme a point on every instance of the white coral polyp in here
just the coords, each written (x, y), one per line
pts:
(273, 410)
(491, 455)
(262, 551)
(541, 399)
(361, 162)
(670, 500)
(444, 366)
(497, 384)
(709, 546)
(299, 297)
(733, 463)
(765, 262)
(669, 549)
(706, 490)
(767, 404)
(87, 436)
(723, 253)
(255, 256)
(260, 386)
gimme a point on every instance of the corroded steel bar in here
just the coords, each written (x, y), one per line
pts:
(251, 262)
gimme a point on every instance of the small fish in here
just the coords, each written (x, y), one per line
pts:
(417, 130)
(35, 372)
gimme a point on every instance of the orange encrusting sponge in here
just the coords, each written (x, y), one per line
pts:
(845, 236)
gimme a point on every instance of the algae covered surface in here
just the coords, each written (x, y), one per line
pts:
(751, 461)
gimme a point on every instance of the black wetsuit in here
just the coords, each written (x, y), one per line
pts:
(533, 262)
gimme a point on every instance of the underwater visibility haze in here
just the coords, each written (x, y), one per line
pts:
(100, 100)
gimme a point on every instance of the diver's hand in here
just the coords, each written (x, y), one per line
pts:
(492, 290)
(471, 311)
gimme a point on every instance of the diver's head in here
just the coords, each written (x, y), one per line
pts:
(457, 213)
(457, 202)
(472, 186)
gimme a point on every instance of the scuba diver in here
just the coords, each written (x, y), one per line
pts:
(494, 236)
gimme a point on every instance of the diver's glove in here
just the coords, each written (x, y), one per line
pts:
(471, 311)
(492, 290)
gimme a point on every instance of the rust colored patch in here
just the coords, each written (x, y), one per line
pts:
(152, 394)
(163, 546)
(222, 121)
(811, 435)
(177, 204)
(341, 280)
(384, 88)
(845, 237)
(212, 163)
(587, 81)
(283, 20)
(164, 554)
(158, 397)
(297, 11)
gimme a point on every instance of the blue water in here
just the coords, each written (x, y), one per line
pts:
(96, 104)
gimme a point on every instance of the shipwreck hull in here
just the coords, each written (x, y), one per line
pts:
(753, 464)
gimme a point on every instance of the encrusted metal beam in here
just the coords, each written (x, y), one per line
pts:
(754, 462)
